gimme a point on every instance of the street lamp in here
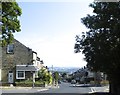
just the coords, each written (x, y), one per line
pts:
(33, 84)
(52, 76)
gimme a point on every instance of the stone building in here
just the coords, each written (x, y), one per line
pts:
(18, 62)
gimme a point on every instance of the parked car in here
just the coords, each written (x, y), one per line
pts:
(64, 81)
(73, 82)
(59, 82)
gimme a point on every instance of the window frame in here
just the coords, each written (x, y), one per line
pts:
(17, 73)
(8, 49)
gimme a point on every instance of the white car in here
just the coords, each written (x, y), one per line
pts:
(73, 82)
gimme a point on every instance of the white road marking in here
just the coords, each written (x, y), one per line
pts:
(92, 90)
(42, 90)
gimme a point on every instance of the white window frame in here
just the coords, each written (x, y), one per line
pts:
(8, 48)
(20, 77)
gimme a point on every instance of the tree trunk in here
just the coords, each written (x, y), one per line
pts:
(114, 87)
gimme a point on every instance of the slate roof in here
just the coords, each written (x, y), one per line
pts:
(26, 68)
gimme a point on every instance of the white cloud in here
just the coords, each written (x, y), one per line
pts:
(57, 51)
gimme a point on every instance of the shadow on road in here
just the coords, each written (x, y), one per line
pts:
(54, 94)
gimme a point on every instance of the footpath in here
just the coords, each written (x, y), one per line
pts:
(15, 90)
(93, 88)
(18, 87)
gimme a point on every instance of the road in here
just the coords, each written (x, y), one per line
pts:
(68, 88)
(63, 88)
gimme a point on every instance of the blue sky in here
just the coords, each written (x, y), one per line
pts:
(49, 28)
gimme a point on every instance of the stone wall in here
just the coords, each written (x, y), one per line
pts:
(22, 56)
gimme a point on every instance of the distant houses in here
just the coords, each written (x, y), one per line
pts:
(19, 63)
(84, 75)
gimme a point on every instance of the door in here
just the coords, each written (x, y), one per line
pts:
(10, 77)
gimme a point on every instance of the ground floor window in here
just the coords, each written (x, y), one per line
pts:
(20, 75)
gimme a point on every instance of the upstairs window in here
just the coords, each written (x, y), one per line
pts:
(10, 48)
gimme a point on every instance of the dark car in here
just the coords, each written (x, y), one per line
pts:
(59, 82)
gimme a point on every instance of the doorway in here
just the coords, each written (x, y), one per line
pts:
(10, 77)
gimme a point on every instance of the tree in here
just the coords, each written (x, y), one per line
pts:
(56, 77)
(45, 75)
(64, 75)
(9, 21)
(101, 44)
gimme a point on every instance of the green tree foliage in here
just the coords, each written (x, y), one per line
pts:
(9, 21)
(64, 75)
(101, 44)
(45, 75)
(41, 73)
(56, 76)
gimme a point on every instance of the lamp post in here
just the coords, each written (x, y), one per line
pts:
(33, 79)
(52, 76)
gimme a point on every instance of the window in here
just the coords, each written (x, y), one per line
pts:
(10, 48)
(10, 72)
(20, 75)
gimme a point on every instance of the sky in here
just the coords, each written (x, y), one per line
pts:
(49, 28)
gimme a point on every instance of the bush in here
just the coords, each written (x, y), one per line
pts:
(5, 84)
(29, 83)
(104, 82)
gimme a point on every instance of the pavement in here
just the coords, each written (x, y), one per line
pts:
(14, 89)
(17, 87)
(93, 88)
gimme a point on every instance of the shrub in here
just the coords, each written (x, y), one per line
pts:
(29, 83)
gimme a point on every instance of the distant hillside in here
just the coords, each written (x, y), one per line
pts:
(64, 69)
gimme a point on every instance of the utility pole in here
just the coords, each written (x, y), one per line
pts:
(52, 69)
(52, 76)
(33, 79)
